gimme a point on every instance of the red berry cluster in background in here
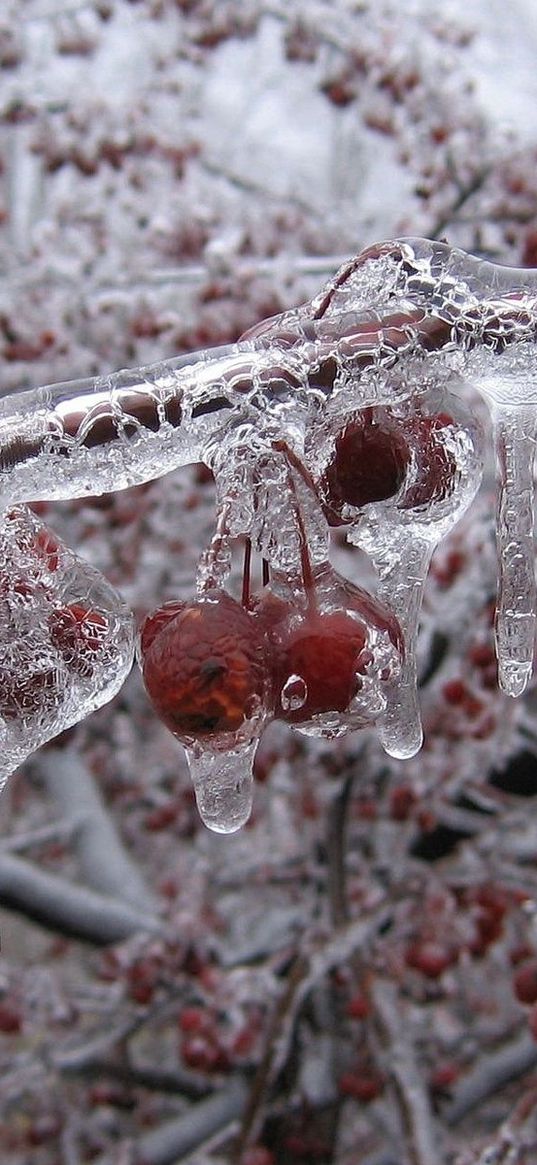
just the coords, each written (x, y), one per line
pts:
(138, 233)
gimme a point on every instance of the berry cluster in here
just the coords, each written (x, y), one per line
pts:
(216, 670)
(313, 650)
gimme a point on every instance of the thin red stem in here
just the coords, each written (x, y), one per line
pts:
(305, 560)
(246, 573)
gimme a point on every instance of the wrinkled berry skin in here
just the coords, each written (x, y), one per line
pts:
(204, 669)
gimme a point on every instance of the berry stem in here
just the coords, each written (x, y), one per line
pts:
(245, 599)
(214, 562)
(294, 463)
(305, 560)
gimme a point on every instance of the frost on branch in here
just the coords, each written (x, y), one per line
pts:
(353, 410)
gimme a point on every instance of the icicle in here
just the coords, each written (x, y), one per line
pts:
(223, 784)
(515, 430)
(402, 585)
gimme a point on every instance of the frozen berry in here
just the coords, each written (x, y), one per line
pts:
(79, 634)
(317, 666)
(23, 696)
(525, 982)
(430, 957)
(154, 623)
(368, 464)
(205, 670)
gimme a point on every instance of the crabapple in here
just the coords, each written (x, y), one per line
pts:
(368, 464)
(320, 655)
(318, 663)
(204, 667)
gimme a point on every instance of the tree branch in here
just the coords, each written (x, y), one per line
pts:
(422, 1134)
(73, 910)
(104, 862)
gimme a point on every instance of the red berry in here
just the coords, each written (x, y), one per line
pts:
(24, 696)
(488, 906)
(143, 977)
(161, 817)
(205, 670)
(48, 547)
(363, 1086)
(368, 464)
(258, 1155)
(443, 1077)
(429, 957)
(455, 692)
(402, 801)
(46, 1127)
(358, 1006)
(317, 667)
(194, 1020)
(525, 982)
(10, 1018)
(153, 624)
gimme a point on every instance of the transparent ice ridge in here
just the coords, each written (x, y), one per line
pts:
(385, 353)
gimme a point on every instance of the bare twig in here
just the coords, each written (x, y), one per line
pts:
(73, 910)
(493, 1071)
(336, 849)
(57, 831)
(104, 862)
(174, 1140)
(134, 1075)
(422, 1133)
(306, 971)
(465, 193)
(515, 1142)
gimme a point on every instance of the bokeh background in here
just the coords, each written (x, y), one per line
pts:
(352, 978)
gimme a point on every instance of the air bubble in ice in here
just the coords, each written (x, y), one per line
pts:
(294, 694)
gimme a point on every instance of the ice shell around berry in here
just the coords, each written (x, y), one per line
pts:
(330, 661)
(67, 638)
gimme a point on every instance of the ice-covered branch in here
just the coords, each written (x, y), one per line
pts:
(353, 410)
(421, 1131)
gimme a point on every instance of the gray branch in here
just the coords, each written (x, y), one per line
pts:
(175, 1139)
(71, 909)
(104, 862)
(493, 1071)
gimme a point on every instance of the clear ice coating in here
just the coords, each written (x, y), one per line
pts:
(67, 638)
(353, 410)
(223, 784)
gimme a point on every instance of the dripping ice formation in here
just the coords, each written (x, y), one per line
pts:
(390, 346)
